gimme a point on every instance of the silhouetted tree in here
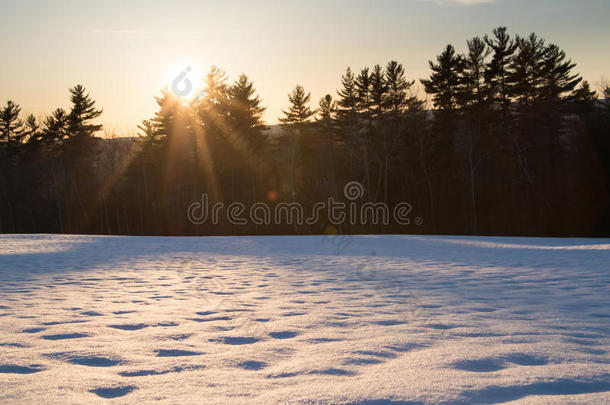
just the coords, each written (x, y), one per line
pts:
(295, 121)
(11, 125)
(515, 143)
(82, 113)
(497, 74)
(444, 81)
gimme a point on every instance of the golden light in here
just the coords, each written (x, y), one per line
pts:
(184, 80)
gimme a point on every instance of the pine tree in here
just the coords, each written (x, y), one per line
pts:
(557, 78)
(55, 126)
(398, 88)
(298, 112)
(10, 124)
(347, 105)
(472, 100)
(348, 118)
(149, 133)
(473, 91)
(215, 93)
(379, 89)
(31, 129)
(444, 87)
(527, 67)
(364, 102)
(214, 108)
(165, 119)
(497, 74)
(584, 98)
(295, 120)
(327, 110)
(325, 141)
(82, 113)
(246, 112)
(444, 81)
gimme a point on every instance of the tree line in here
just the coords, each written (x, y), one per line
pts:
(508, 140)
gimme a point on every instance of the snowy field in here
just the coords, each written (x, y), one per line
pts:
(304, 320)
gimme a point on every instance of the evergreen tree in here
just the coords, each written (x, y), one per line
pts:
(364, 102)
(347, 105)
(324, 141)
(347, 121)
(246, 112)
(165, 119)
(472, 99)
(379, 89)
(584, 98)
(444, 81)
(31, 129)
(557, 78)
(82, 113)
(327, 110)
(10, 124)
(527, 67)
(215, 101)
(497, 74)
(55, 126)
(473, 91)
(298, 112)
(295, 120)
(398, 89)
(149, 133)
(248, 139)
(214, 110)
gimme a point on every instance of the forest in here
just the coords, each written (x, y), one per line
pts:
(504, 139)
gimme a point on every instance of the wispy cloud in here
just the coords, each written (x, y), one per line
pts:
(463, 2)
(101, 32)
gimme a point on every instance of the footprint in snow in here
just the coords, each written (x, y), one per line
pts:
(33, 330)
(176, 353)
(523, 359)
(252, 365)
(389, 322)
(212, 319)
(91, 313)
(64, 336)
(135, 326)
(87, 360)
(113, 392)
(145, 373)
(236, 340)
(486, 365)
(361, 361)
(15, 369)
(283, 335)
(12, 345)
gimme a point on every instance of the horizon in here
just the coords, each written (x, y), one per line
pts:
(124, 54)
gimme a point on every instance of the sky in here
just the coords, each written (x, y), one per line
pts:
(125, 52)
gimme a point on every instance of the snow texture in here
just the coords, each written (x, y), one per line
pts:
(304, 320)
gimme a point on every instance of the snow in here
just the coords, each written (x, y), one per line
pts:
(304, 320)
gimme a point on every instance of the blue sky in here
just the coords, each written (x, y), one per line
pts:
(125, 51)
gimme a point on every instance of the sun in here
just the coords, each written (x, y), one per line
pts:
(184, 81)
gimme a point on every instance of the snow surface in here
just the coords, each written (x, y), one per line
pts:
(304, 320)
